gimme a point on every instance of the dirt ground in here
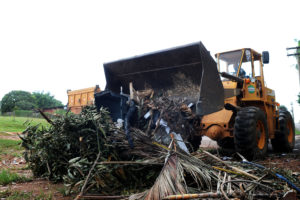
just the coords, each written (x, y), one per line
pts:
(9, 136)
(36, 187)
(19, 166)
(287, 161)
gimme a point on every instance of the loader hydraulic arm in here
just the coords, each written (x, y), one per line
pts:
(231, 77)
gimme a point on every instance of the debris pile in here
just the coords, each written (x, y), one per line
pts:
(68, 148)
(94, 155)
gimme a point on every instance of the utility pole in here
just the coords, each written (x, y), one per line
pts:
(297, 56)
(292, 110)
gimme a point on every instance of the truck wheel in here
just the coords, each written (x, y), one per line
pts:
(251, 133)
(284, 140)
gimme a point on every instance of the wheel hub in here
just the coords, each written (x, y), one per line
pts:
(260, 135)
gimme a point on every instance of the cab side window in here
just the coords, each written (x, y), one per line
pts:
(246, 68)
(257, 67)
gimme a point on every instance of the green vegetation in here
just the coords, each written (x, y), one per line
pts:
(61, 112)
(17, 195)
(22, 100)
(10, 147)
(10, 144)
(23, 113)
(45, 100)
(18, 124)
(64, 191)
(297, 132)
(7, 177)
(17, 100)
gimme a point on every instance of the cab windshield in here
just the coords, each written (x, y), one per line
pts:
(229, 62)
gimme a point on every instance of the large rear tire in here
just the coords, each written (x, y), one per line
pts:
(284, 140)
(251, 133)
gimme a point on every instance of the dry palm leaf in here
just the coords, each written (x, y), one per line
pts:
(171, 180)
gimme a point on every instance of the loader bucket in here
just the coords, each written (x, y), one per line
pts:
(187, 71)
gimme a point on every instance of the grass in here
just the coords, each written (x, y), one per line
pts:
(63, 190)
(10, 147)
(297, 132)
(7, 177)
(18, 124)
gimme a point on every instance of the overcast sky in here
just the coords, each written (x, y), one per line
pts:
(53, 46)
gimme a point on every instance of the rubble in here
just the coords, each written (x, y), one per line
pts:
(94, 156)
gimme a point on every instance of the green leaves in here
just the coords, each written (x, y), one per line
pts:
(22, 100)
(45, 100)
(49, 150)
(66, 151)
(17, 100)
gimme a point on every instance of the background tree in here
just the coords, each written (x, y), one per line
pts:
(45, 100)
(22, 100)
(17, 100)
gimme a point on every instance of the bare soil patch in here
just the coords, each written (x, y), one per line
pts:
(36, 187)
(9, 135)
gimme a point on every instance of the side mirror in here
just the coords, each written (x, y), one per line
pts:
(265, 57)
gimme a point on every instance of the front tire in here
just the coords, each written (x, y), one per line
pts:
(251, 133)
(284, 140)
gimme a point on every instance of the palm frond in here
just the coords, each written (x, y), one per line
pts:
(171, 180)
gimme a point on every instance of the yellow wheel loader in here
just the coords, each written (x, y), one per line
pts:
(251, 116)
(229, 97)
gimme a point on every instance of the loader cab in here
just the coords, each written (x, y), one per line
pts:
(242, 63)
(243, 71)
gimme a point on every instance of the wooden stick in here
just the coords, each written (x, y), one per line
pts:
(157, 123)
(241, 181)
(150, 122)
(193, 196)
(224, 178)
(104, 197)
(128, 163)
(226, 170)
(214, 195)
(133, 95)
(229, 190)
(219, 182)
(252, 186)
(88, 177)
(45, 117)
(233, 168)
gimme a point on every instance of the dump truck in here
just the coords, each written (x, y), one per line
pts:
(80, 98)
(229, 96)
